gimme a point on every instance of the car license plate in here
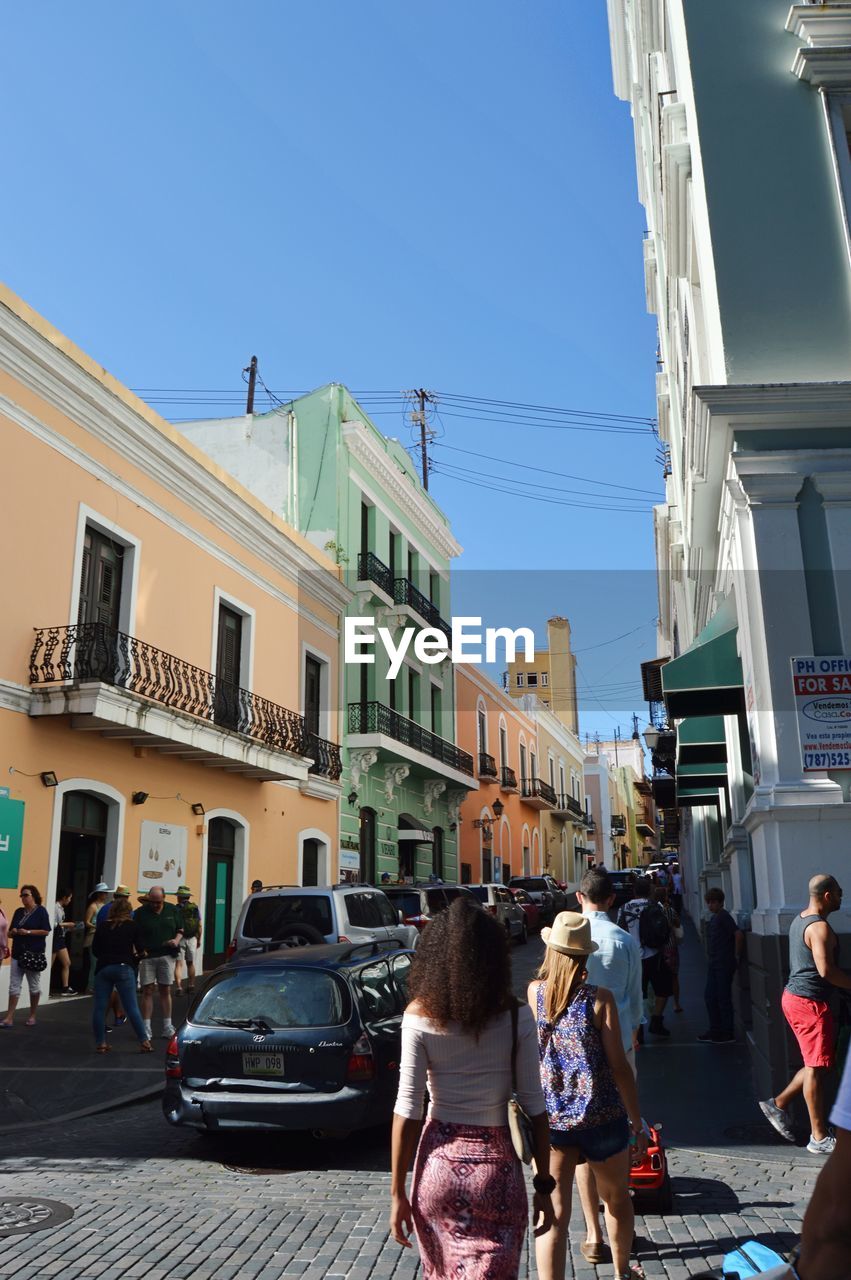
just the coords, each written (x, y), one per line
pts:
(262, 1064)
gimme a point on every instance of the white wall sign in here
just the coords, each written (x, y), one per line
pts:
(822, 689)
(349, 860)
(162, 857)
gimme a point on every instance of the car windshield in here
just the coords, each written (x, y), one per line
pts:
(478, 891)
(535, 883)
(267, 917)
(285, 997)
(520, 895)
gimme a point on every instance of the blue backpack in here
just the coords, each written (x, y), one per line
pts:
(750, 1259)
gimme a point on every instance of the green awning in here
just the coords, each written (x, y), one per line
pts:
(700, 740)
(707, 679)
(692, 797)
(712, 775)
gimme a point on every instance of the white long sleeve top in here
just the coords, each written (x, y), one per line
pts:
(469, 1080)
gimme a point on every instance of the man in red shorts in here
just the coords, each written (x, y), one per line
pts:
(812, 973)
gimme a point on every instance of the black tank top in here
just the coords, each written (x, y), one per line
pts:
(804, 978)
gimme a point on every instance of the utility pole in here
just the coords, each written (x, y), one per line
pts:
(617, 739)
(419, 419)
(251, 370)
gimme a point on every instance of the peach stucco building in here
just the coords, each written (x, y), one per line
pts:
(169, 707)
(504, 745)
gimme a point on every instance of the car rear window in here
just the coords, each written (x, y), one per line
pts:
(285, 997)
(454, 892)
(407, 903)
(478, 891)
(436, 900)
(266, 917)
(364, 910)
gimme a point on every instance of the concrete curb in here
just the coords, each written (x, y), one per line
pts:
(112, 1105)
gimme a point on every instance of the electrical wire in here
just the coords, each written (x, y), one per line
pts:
(539, 497)
(454, 467)
(566, 475)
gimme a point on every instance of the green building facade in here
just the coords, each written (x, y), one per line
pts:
(321, 464)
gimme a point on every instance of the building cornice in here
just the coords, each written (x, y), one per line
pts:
(71, 383)
(393, 480)
(14, 697)
(824, 60)
(506, 704)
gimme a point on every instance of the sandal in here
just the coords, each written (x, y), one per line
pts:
(595, 1252)
(635, 1272)
(146, 1047)
(102, 1048)
(30, 1022)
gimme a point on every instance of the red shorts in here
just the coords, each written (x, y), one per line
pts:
(814, 1028)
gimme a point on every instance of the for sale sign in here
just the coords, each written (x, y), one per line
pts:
(822, 689)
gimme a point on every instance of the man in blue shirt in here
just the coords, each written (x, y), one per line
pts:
(616, 965)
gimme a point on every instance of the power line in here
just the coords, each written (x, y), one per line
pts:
(540, 497)
(526, 466)
(587, 648)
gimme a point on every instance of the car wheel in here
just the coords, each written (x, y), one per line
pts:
(299, 935)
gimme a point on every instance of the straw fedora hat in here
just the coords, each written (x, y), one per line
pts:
(570, 934)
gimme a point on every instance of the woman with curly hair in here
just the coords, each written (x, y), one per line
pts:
(468, 1204)
(590, 1091)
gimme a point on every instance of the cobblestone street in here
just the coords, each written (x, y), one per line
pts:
(153, 1201)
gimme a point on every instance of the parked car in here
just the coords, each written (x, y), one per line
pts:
(419, 903)
(529, 908)
(292, 1038)
(499, 902)
(544, 891)
(303, 916)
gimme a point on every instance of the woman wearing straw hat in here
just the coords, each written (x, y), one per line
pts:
(468, 1203)
(592, 1101)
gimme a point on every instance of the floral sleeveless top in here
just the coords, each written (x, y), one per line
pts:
(579, 1087)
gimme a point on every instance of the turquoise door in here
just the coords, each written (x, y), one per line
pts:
(219, 893)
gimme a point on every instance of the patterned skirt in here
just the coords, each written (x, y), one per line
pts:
(469, 1203)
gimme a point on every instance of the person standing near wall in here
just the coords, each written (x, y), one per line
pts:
(29, 931)
(724, 942)
(813, 973)
(190, 942)
(61, 953)
(161, 931)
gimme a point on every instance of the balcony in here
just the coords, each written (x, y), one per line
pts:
(538, 794)
(569, 809)
(507, 779)
(404, 592)
(375, 571)
(372, 724)
(117, 685)
(618, 825)
(487, 766)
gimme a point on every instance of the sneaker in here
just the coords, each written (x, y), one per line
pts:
(724, 1037)
(658, 1028)
(168, 1030)
(68, 991)
(119, 1022)
(147, 1027)
(778, 1119)
(823, 1147)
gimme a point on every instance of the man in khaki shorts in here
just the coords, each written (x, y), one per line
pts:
(161, 928)
(191, 940)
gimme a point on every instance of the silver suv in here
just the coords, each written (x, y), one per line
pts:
(497, 900)
(303, 915)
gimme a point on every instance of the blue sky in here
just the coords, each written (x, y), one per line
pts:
(380, 194)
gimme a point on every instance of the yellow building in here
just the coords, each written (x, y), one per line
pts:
(169, 676)
(563, 820)
(550, 675)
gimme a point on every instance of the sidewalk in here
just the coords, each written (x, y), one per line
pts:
(51, 1072)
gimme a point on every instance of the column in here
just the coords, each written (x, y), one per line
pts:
(835, 489)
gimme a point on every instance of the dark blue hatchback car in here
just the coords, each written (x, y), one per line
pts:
(292, 1039)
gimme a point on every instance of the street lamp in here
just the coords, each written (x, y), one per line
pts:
(651, 737)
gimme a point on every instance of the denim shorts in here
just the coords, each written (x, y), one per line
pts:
(595, 1144)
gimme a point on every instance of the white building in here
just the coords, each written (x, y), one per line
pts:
(740, 112)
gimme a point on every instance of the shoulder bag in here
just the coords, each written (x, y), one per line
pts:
(34, 961)
(519, 1124)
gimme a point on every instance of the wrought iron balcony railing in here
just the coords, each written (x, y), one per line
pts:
(487, 765)
(538, 789)
(327, 762)
(375, 717)
(371, 569)
(404, 592)
(618, 824)
(507, 778)
(569, 804)
(92, 651)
